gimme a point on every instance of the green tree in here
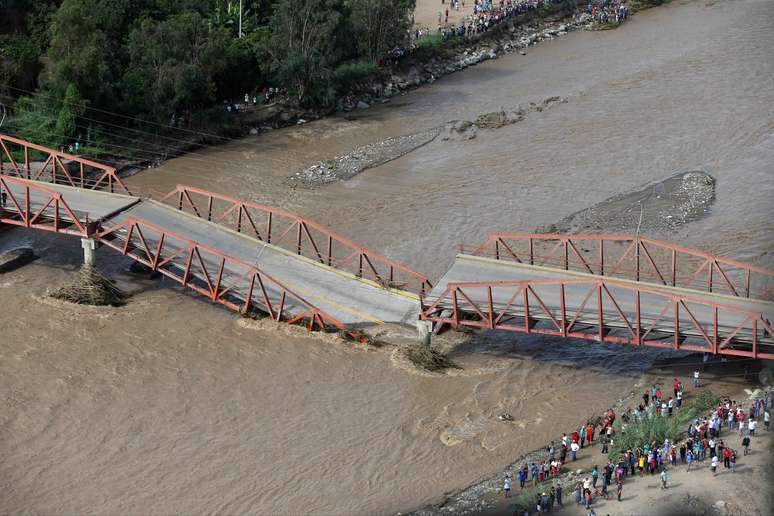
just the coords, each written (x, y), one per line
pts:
(87, 49)
(380, 26)
(73, 106)
(173, 64)
(302, 49)
(34, 120)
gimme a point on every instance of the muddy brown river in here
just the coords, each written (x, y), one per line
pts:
(170, 405)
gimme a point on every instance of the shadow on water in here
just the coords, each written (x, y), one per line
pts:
(578, 353)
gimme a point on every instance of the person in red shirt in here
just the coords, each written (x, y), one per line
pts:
(590, 433)
(575, 436)
(676, 386)
(727, 457)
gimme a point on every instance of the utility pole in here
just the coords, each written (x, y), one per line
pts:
(240, 18)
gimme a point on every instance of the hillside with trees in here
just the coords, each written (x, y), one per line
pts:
(67, 67)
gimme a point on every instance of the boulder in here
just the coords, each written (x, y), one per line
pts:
(363, 105)
(493, 120)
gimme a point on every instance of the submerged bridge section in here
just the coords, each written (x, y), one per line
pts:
(241, 254)
(252, 257)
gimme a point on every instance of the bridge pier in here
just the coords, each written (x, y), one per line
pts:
(424, 331)
(89, 246)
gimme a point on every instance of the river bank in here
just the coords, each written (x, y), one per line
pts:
(725, 379)
(424, 66)
(169, 405)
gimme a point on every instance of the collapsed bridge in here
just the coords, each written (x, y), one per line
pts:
(252, 257)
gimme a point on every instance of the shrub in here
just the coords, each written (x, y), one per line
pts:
(348, 74)
(659, 428)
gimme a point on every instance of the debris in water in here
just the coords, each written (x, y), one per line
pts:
(91, 288)
(15, 258)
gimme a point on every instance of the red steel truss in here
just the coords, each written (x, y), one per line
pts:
(30, 205)
(297, 234)
(51, 166)
(610, 311)
(221, 278)
(630, 257)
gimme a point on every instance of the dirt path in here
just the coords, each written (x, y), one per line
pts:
(426, 12)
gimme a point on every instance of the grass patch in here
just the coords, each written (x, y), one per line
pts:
(430, 40)
(659, 428)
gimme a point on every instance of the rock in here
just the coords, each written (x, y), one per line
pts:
(300, 121)
(363, 105)
(523, 52)
(253, 131)
(15, 258)
(513, 116)
(285, 116)
(579, 472)
(493, 120)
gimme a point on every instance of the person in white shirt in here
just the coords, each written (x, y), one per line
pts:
(766, 419)
(751, 425)
(714, 465)
(696, 378)
(507, 486)
(574, 447)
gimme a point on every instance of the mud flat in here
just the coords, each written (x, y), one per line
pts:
(659, 207)
(362, 158)
(347, 166)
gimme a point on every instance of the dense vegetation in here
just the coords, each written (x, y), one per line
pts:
(650, 429)
(176, 60)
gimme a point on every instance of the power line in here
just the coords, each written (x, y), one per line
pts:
(112, 113)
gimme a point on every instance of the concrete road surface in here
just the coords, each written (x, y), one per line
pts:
(477, 269)
(91, 204)
(351, 300)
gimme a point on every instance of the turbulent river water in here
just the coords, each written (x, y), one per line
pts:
(171, 405)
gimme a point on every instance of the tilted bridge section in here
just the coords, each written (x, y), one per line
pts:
(253, 257)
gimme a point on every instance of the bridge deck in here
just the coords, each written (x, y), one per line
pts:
(470, 269)
(351, 300)
(87, 204)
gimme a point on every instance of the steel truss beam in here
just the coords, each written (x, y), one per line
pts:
(223, 279)
(630, 257)
(37, 207)
(54, 168)
(297, 234)
(610, 311)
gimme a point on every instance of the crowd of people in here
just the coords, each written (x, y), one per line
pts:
(263, 96)
(486, 16)
(608, 11)
(702, 443)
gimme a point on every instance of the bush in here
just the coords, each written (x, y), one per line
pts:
(348, 74)
(431, 40)
(659, 428)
